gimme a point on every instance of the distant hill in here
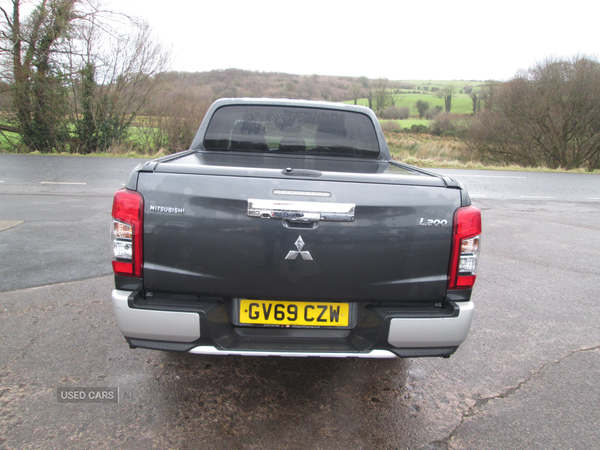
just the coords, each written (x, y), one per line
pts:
(244, 83)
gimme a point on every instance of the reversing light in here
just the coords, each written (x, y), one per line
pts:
(122, 239)
(465, 248)
(126, 233)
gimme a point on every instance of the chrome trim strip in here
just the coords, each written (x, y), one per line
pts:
(209, 350)
(301, 211)
(432, 332)
(154, 325)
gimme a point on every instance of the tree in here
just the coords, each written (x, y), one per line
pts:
(356, 91)
(446, 93)
(548, 115)
(475, 100)
(380, 90)
(123, 58)
(76, 67)
(38, 93)
(370, 95)
(394, 93)
(364, 81)
(487, 94)
(422, 107)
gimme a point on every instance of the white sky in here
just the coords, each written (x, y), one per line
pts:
(399, 40)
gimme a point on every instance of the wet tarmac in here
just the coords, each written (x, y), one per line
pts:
(64, 336)
(525, 378)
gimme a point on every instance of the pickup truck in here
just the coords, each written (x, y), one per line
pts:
(288, 230)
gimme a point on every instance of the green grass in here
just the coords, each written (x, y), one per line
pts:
(461, 103)
(399, 125)
(7, 141)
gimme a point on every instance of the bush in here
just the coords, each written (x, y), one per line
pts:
(450, 125)
(395, 113)
(174, 121)
(432, 112)
(419, 129)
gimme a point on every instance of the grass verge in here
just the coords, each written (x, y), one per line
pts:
(428, 151)
(421, 150)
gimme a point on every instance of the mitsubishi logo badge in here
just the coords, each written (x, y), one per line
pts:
(294, 254)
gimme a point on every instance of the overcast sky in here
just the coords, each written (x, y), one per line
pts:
(399, 40)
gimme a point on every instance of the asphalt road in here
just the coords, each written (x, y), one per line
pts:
(61, 208)
(525, 378)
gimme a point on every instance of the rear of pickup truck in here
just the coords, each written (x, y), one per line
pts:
(262, 241)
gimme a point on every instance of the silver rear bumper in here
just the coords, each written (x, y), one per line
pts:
(405, 333)
(432, 332)
(154, 325)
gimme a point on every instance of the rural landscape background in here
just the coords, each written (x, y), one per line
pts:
(79, 80)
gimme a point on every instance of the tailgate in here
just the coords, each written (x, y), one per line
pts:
(294, 239)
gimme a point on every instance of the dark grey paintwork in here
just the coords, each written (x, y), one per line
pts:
(215, 248)
(203, 249)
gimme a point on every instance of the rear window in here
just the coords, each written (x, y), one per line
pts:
(282, 129)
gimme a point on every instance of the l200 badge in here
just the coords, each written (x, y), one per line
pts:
(432, 222)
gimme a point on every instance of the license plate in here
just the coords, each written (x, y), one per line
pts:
(316, 314)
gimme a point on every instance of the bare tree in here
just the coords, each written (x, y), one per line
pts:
(72, 66)
(174, 119)
(117, 79)
(549, 115)
(380, 90)
(395, 93)
(487, 94)
(356, 91)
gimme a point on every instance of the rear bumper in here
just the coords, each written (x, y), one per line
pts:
(203, 327)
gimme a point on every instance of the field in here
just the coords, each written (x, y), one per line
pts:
(461, 101)
(404, 123)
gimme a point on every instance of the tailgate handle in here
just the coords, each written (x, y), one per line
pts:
(300, 216)
(302, 212)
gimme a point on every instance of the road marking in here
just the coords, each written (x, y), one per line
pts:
(6, 224)
(60, 182)
(483, 176)
(534, 196)
(592, 198)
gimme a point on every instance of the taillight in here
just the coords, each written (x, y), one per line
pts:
(465, 248)
(126, 233)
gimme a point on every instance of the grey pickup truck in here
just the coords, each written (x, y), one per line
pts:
(288, 230)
